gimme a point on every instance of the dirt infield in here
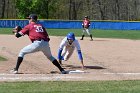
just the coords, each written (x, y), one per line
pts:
(105, 59)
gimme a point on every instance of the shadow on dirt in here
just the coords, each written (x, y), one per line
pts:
(94, 67)
(78, 67)
(100, 40)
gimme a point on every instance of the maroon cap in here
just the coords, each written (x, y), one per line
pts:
(32, 16)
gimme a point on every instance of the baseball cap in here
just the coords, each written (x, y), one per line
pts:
(32, 16)
(86, 16)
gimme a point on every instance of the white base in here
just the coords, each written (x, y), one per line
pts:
(76, 71)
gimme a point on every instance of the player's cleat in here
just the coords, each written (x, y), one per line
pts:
(64, 72)
(81, 39)
(14, 71)
(91, 39)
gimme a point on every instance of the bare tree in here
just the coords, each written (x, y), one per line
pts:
(77, 9)
(74, 6)
(2, 8)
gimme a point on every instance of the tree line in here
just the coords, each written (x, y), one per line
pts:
(128, 10)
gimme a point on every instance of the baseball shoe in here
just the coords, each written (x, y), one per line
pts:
(81, 39)
(91, 39)
(64, 72)
(14, 71)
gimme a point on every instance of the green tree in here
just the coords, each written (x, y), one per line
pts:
(40, 7)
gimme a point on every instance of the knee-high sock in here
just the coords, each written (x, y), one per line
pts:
(55, 62)
(91, 36)
(82, 36)
(19, 61)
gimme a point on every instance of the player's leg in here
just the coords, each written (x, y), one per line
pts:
(83, 34)
(47, 52)
(68, 53)
(88, 32)
(34, 47)
(64, 51)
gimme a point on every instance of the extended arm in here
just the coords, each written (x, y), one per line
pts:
(81, 58)
(16, 31)
(18, 35)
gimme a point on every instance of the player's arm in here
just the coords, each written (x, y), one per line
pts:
(59, 54)
(16, 31)
(21, 33)
(77, 45)
(62, 44)
(18, 35)
(81, 58)
(89, 24)
(83, 24)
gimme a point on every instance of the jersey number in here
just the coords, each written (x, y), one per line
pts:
(39, 29)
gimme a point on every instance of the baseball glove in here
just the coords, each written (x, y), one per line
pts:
(86, 26)
(17, 29)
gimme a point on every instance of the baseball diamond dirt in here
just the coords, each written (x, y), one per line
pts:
(105, 59)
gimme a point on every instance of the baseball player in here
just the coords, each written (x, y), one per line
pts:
(86, 25)
(40, 42)
(67, 46)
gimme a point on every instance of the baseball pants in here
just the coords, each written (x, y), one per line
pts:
(38, 46)
(85, 30)
(67, 52)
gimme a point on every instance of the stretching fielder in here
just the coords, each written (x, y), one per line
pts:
(40, 42)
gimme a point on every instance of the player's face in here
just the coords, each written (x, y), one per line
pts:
(70, 41)
(30, 20)
(86, 18)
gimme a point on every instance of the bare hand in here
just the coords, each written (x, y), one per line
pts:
(83, 67)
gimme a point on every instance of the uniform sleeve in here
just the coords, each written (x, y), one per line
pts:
(88, 24)
(80, 55)
(83, 24)
(25, 30)
(77, 45)
(62, 44)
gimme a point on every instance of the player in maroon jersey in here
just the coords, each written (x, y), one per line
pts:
(40, 42)
(86, 25)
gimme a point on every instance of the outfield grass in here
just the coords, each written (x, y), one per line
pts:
(124, 34)
(71, 87)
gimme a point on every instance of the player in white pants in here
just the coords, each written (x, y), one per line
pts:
(67, 46)
(86, 25)
(40, 42)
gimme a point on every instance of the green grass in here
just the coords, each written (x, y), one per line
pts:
(2, 58)
(71, 87)
(124, 34)
(6, 31)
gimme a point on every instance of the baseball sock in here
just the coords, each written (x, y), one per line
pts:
(55, 62)
(19, 60)
(91, 37)
(82, 37)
